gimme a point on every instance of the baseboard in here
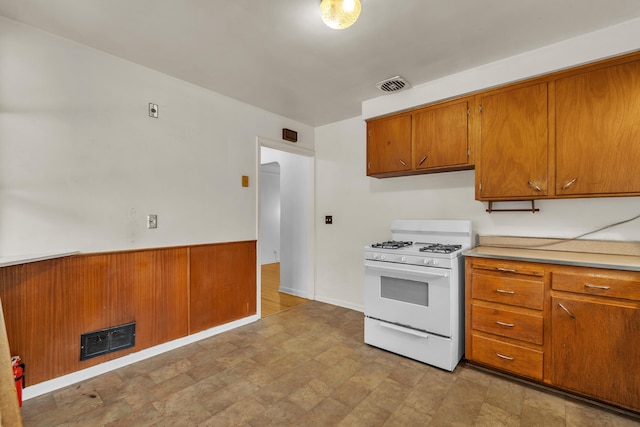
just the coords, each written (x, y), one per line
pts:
(94, 371)
(294, 292)
(340, 303)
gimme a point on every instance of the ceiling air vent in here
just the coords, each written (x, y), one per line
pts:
(394, 84)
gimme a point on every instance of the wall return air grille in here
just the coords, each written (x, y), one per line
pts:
(97, 343)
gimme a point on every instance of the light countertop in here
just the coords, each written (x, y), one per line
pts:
(583, 259)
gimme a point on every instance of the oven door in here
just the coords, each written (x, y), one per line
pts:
(415, 296)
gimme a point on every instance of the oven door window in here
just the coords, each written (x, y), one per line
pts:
(404, 290)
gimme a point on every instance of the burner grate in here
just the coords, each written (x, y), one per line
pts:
(438, 248)
(392, 244)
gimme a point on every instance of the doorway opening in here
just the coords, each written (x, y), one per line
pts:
(285, 227)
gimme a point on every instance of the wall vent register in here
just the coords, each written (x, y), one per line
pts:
(105, 341)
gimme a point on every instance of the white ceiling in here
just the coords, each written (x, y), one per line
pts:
(279, 56)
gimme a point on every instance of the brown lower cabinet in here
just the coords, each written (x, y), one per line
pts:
(49, 304)
(597, 348)
(572, 328)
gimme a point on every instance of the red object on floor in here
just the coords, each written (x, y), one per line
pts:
(18, 375)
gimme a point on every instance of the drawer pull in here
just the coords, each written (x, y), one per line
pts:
(507, 270)
(591, 286)
(504, 291)
(567, 311)
(405, 330)
(508, 325)
(403, 163)
(502, 356)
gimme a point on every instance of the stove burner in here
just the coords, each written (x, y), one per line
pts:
(440, 248)
(392, 244)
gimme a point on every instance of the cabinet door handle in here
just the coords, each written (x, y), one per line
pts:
(422, 160)
(504, 291)
(569, 184)
(403, 163)
(534, 186)
(502, 356)
(567, 311)
(507, 270)
(591, 286)
(508, 325)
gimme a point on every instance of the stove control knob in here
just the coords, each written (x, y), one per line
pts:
(375, 256)
(382, 257)
(426, 261)
(435, 262)
(403, 259)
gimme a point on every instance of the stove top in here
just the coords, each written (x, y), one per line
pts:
(433, 248)
(423, 242)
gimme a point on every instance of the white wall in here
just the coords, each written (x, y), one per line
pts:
(610, 41)
(82, 164)
(363, 207)
(269, 213)
(294, 219)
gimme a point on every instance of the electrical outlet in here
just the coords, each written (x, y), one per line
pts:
(152, 221)
(328, 219)
(153, 110)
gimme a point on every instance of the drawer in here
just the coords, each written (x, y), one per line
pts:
(427, 348)
(524, 269)
(507, 323)
(513, 358)
(508, 289)
(600, 282)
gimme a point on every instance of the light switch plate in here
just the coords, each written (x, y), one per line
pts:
(152, 221)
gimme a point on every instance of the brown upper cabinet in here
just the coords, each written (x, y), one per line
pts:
(572, 133)
(429, 139)
(389, 146)
(598, 131)
(513, 144)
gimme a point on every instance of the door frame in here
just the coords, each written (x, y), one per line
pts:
(309, 274)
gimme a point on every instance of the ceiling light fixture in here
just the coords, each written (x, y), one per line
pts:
(340, 14)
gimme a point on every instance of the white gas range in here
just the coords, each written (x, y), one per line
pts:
(414, 291)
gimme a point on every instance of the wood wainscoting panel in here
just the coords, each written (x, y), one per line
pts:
(47, 306)
(150, 288)
(223, 283)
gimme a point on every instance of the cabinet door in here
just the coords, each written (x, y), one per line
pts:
(441, 136)
(389, 145)
(596, 349)
(598, 131)
(513, 144)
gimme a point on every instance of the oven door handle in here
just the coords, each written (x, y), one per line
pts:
(405, 330)
(402, 270)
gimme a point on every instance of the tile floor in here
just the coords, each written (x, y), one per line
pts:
(306, 366)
